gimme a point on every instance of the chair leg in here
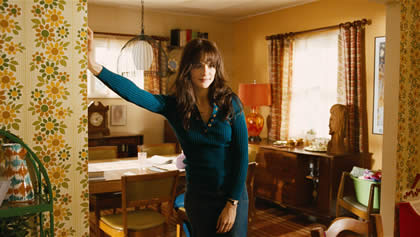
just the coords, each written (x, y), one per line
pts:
(178, 230)
(97, 216)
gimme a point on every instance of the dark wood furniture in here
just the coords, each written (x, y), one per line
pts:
(302, 180)
(127, 143)
(347, 226)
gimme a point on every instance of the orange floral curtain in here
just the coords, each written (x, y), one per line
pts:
(154, 77)
(352, 73)
(280, 71)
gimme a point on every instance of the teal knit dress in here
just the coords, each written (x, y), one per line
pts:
(216, 151)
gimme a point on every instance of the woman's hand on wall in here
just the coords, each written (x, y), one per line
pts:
(93, 66)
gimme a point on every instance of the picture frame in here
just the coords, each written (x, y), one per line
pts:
(378, 87)
(118, 115)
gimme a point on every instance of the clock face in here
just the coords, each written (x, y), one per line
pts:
(96, 119)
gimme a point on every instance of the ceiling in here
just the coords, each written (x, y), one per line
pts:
(228, 9)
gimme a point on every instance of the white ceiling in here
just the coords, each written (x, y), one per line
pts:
(229, 9)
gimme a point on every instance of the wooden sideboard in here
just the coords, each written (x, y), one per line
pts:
(302, 180)
(127, 143)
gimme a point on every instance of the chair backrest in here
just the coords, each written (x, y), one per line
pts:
(252, 152)
(138, 190)
(251, 174)
(158, 149)
(103, 152)
(346, 198)
(351, 226)
(141, 190)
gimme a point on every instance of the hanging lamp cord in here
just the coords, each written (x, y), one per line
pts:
(142, 17)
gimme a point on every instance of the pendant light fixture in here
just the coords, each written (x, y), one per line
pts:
(137, 53)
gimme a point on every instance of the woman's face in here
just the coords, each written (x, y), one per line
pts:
(202, 75)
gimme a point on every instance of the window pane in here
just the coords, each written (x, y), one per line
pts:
(314, 83)
(107, 51)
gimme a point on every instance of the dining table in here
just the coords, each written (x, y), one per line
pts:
(105, 180)
(105, 175)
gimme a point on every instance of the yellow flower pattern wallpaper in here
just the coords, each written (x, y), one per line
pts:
(408, 150)
(43, 97)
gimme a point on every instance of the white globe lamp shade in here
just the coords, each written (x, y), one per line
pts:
(142, 53)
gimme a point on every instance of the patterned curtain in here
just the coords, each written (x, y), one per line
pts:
(153, 78)
(280, 71)
(408, 162)
(352, 75)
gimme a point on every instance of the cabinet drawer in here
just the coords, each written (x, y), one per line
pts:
(281, 165)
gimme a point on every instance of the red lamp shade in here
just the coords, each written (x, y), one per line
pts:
(254, 95)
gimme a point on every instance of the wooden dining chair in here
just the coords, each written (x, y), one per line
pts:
(346, 199)
(139, 191)
(251, 191)
(252, 152)
(158, 149)
(103, 152)
(342, 226)
(103, 201)
(348, 226)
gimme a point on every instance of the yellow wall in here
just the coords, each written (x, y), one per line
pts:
(250, 55)
(126, 20)
(244, 47)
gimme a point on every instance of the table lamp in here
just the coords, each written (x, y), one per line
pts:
(254, 95)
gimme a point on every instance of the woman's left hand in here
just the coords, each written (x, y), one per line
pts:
(226, 218)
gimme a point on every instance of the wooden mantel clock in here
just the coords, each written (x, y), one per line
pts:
(98, 119)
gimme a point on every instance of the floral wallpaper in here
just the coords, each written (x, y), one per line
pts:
(43, 96)
(408, 150)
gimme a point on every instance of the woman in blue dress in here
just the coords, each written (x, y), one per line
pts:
(209, 122)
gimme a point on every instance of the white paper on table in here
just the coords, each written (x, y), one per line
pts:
(129, 173)
(168, 167)
(160, 160)
(109, 166)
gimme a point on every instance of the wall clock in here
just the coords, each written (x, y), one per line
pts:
(98, 119)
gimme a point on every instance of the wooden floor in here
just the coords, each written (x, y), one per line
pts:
(269, 221)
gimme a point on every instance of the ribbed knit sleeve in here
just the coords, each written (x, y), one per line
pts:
(129, 91)
(239, 150)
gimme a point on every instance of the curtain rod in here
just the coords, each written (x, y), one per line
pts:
(347, 24)
(162, 38)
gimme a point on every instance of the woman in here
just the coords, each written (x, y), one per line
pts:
(210, 126)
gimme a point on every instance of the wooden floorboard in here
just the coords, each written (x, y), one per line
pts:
(269, 221)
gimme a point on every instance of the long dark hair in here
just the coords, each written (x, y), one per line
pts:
(197, 51)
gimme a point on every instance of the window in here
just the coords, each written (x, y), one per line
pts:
(107, 51)
(314, 83)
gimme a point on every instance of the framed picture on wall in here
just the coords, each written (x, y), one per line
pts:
(378, 87)
(118, 115)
